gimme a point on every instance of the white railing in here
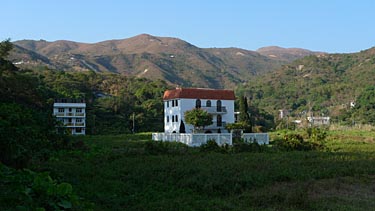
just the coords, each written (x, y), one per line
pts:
(69, 114)
(183, 138)
(260, 138)
(198, 139)
(72, 124)
(194, 140)
(214, 125)
(215, 109)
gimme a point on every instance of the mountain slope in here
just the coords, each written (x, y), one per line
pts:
(171, 59)
(323, 83)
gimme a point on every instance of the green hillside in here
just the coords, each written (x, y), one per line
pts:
(324, 84)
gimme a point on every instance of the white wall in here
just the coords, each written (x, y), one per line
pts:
(189, 104)
(73, 115)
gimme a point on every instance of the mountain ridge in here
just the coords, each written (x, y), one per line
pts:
(171, 59)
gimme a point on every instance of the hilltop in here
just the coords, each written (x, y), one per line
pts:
(286, 54)
(171, 59)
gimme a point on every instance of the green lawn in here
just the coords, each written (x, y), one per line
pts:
(126, 172)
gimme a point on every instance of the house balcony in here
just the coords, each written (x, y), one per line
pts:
(69, 114)
(215, 126)
(215, 110)
(76, 124)
(79, 114)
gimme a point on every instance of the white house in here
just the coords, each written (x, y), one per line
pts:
(219, 103)
(317, 121)
(72, 114)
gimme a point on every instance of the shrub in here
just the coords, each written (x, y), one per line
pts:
(243, 146)
(293, 141)
(24, 134)
(160, 147)
(212, 146)
(316, 134)
(28, 190)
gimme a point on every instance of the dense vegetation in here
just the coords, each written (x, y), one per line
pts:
(324, 85)
(27, 128)
(128, 172)
(112, 100)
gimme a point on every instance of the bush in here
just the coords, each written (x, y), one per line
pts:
(24, 134)
(212, 146)
(316, 134)
(243, 146)
(293, 141)
(160, 147)
(28, 190)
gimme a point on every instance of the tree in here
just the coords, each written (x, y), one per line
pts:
(198, 118)
(244, 116)
(364, 111)
(5, 47)
(182, 127)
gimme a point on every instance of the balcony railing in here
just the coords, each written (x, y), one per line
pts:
(72, 124)
(215, 109)
(70, 114)
(216, 126)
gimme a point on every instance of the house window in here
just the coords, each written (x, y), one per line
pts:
(70, 109)
(172, 103)
(78, 110)
(218, 105)
(208, 103)
(167, 104)
(78, 130)
(198, 103)
(176, 118)
(61, 110)
(219, 121)
(167, 118)
(78, 120)
(172, 118)
(176, 103)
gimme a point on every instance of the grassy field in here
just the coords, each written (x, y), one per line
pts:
(128, 172)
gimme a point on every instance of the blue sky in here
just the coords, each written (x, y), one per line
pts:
(323, 25)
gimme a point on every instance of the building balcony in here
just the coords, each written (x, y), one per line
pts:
(79, 114)
(215, 126)
(69, 114)
(72, 124)
(215, 110)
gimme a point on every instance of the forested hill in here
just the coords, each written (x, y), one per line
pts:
(325, 84)
(113, 100)
(173, 60)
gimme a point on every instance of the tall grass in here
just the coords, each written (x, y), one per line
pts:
(128, 172)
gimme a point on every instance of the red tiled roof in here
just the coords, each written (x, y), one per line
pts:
(195, 93)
